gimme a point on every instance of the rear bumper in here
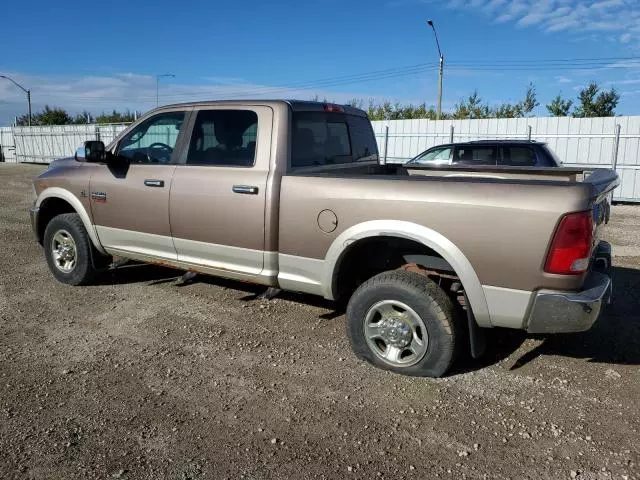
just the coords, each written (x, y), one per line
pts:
(563, 312)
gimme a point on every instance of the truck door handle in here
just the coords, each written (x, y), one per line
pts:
(154, 183)
(246, 189)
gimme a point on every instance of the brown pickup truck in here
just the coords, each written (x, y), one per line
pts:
(291, 195)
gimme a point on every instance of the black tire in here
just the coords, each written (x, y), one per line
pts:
(436, 310)
(83, 271)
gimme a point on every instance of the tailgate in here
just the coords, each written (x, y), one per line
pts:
(602, 183)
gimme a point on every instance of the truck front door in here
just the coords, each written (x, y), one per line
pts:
(130, 199)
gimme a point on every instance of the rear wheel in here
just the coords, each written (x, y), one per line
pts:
(402, 321)
(68, 250)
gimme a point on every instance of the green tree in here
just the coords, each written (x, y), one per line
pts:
(594, 103)
(115, 117)
(559, 107)
(58, 116)
(530, 101)
(522, 108)
(83, 118)
(54, 116)
(48, 116)
(472, 107)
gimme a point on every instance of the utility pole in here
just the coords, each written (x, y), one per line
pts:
(28, 92)
(440, 71)
(158, 77)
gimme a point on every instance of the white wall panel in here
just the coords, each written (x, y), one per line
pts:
(577, 141)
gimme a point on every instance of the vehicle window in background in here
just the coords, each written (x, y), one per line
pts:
(320, 138)
(153, 140)
(518, 156)
(223, 138)
(551, 156)
(435, 155)
(469, 155)
(363, 140)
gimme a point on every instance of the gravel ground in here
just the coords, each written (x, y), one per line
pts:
(139, 378)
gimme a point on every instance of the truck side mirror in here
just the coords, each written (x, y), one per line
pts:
(91, 151)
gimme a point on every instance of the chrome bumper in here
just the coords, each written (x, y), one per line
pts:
(33, 215)
(563, 312)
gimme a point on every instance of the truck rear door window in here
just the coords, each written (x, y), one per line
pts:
(223, 138)
(470, 155)
(518, 156)
(320, 138)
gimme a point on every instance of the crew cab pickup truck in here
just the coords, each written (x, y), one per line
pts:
(291, 195)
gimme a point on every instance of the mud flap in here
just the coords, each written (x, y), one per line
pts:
(477, 335)
(270, 293)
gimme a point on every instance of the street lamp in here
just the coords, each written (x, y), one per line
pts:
(158, 77)
(440, 71)
(28, 92)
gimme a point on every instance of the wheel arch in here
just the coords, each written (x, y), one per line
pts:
(353, 237)
(54, 201)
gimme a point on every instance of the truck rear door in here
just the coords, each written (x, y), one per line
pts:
(217, 201)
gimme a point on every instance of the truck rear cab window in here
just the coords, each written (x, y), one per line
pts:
(320, 138)
(363, 140)
(223, 138)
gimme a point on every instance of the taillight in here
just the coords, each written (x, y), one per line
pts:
(329, 107)
(570, 251)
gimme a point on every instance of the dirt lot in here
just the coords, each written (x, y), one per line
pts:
(140, 378)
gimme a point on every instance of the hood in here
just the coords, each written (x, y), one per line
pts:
(62, 162)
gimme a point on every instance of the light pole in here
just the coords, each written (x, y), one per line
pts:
(158, 77)
(440, 71)
(28, 92)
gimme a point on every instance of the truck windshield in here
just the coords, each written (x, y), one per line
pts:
(436, 155)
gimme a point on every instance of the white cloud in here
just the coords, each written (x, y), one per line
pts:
(531, 19)
(563, 79)
(626, 38)
(132, 91)
(626, 64)
(607, 4)
(630, 81)
(621, 17)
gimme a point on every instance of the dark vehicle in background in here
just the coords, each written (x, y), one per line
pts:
(514, 153)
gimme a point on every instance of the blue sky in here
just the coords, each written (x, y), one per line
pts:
(103, 55)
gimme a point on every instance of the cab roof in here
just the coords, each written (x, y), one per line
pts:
(295, 105)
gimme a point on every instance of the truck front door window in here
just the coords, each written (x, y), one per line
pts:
(154, 140)
(437, 155)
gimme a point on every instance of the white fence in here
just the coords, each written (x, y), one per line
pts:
(612, 142)
(7, 145)
(44, 144)
(586, 142)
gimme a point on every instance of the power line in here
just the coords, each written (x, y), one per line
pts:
(322, 83)
(561, 64)
(536, 61)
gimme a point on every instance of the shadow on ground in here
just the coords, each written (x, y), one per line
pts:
(615, 338)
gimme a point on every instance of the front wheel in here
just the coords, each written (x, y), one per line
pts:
(402, 321)
(67, 247)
